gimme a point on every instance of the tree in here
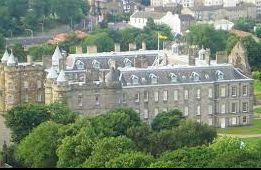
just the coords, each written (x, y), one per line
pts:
(132, 159)
(244, 24)
(37, 150)
(101, 40)
(74, 150)
(206, 35)
(258, 31)
(167, 120)
(108, 148)
(2, 42)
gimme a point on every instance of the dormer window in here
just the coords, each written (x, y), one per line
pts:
(173, 77)
(184, 77)
(207, 76)
(195, 76)
(96, 65)
(135, 80)
(127, 62)
(154, 79)
(79, 65)
(220, 75)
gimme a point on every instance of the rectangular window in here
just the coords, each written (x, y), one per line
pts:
(165, 95)
(233, 109)
(97, 101)
(245, 107)
(223, 92)
(234, 121)
(210, 121)
(39, 98)
(244, 119)
(176, 95)
(210, 93)
(186, 111)
(156, 110)
(156, 96)
(186, 94)
(234, 91)
(137, 97)
(198, 110)
(244, 90)
(223, 108)
(198, 93)
(39, 84)
(146, 114)
(210, 109)
(80, 100)
(123, 98)
(146, 96)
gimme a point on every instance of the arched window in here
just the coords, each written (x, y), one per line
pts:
(96, 64)
(173, 77)
(219, 75)
(135, 80)
(154, 79)
(80, 65)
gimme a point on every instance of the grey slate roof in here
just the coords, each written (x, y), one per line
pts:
(206, 74)
(104, 58)
(148, 14)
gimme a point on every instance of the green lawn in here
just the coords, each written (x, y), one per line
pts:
(257, 89)
(243, 130)
(257, 110)
(253, 141)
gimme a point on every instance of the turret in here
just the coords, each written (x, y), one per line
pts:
(61, 79)
(112, 78)
(57, 56)
(5, 57)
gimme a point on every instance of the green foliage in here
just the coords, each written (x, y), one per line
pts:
(167, 120)
(2, 42)
(38, 148)
(258, 31)
(132, 159)
(107, 149)
(244, 24)
(101, 40)
(23, 118)
(231, 41)
(256, 75)
(39, 51)
(206, 35)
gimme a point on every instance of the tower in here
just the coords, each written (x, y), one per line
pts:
(56, 59)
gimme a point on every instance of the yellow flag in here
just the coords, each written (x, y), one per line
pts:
(162, 37)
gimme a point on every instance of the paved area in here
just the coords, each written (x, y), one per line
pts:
(241, 136)
(4, 132)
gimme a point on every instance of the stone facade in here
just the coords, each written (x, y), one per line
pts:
(207, 91)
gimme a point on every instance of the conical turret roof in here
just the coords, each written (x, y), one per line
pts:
(57, 54)
(11, 59)
(5, 57)
(52, 74)
(61, 77)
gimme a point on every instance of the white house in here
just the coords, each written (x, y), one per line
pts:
(223, 25)
(177, 23)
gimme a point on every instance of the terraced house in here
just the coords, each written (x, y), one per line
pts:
(208, 91)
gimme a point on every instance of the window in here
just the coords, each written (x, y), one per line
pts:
(234, 121)
(96, 65)
(146, 96)
(223, 92)
(80, 100)
(244, 119)
(195, 76)
(39, 84)
(26, 84)
(156, 110)
(156, 96)
(153, 78)
(10, 86)
(210, 93)
(245, 107)
(97, 102)
(210, 121)
(135, 80)
(220, 75)
(244, 90)
(175, 95)
(146, 114)
(26, 98)
(165, 109)
(223, 108)
(127, 63)
(165, 95)
(233, 109)
(198, 110)
(210, 109)
(39, 97)
(234, 91)
(137, 97)
(10, 99)
(186, 94)
(186, 111)
(79, 65)
(198, 93)
(173, 78)
(123, 98)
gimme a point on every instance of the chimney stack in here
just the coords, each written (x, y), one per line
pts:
(192, 60)
(207, 56)
(117, 47)
(91, 49)
(29, 60)
(221, 57)
(132, 47)
(78, 50)
(144, 47)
